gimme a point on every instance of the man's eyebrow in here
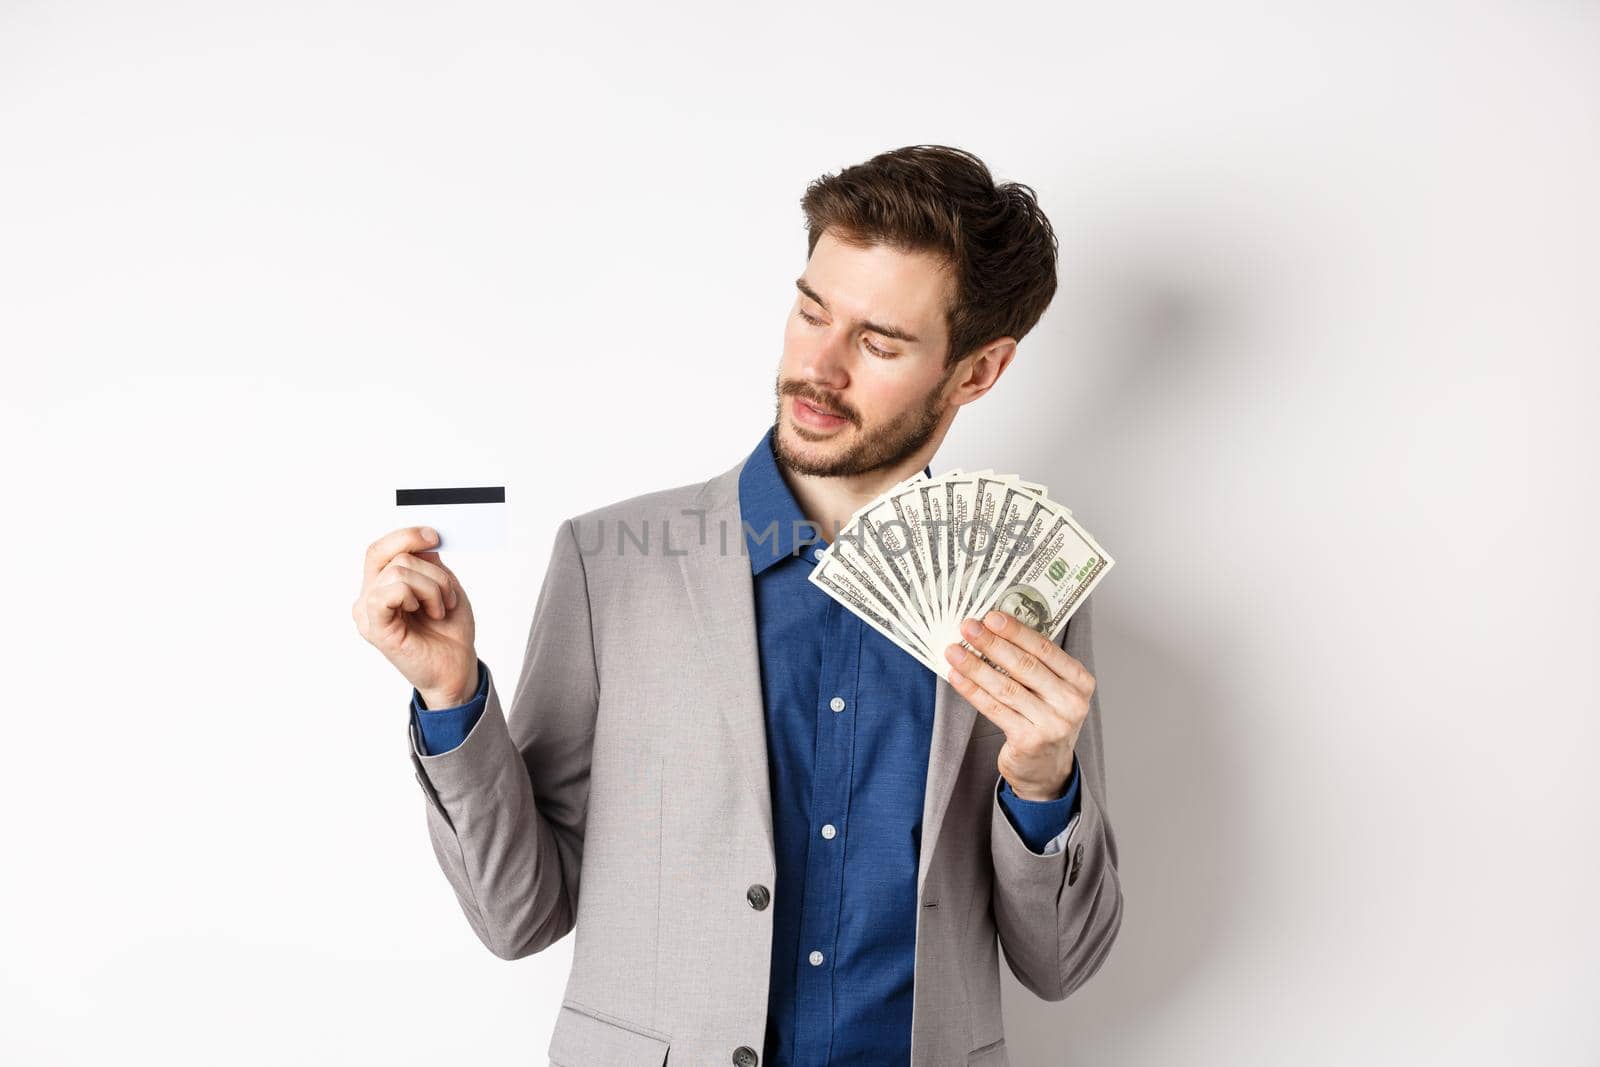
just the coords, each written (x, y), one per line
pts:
(887, 331)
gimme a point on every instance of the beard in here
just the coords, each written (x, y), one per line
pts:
(881, 447)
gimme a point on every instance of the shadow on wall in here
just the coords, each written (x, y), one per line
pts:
(1182, 848)
(1152, 321)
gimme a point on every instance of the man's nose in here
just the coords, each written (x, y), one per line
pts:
(827, 364)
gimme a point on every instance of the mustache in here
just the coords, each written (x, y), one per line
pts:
(821, 403)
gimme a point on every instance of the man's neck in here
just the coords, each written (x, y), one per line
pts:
(829, 502)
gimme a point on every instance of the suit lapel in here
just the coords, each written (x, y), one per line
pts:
(952, 727)
(721, 596)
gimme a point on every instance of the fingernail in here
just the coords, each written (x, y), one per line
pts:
(430, 535)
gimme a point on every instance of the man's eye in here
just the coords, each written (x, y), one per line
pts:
(874, 349)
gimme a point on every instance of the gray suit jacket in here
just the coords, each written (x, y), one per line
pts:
(633, 766)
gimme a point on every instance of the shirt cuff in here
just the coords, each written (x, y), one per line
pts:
(1039, 822)
(441, 729)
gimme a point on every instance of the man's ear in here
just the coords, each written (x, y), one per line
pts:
(984, 369)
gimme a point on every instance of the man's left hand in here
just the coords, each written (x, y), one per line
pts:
(1039, 697)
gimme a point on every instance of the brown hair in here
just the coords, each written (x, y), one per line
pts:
(942, 200)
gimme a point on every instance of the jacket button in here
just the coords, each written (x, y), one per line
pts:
(1077, 864)
(758, 896)
(744, 1056)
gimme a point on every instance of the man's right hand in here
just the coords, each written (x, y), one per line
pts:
(412, 608)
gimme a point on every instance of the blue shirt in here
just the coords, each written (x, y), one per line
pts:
(849, 720)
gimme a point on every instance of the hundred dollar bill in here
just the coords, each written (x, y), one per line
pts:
(975, 537)
(1044, 588)
(834, 577)
(1017, 513)
(861, 554)
(930, 552)
(871, 535)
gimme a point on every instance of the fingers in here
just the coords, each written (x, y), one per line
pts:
(442, 576)
(1015, 649)
(458, 592)
(399, 589)
(993, 693)
(390, 545)
(1026, 647)
(989, 705)
(429, 590)
(387, 600)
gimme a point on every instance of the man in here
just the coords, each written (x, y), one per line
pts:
(788, 834)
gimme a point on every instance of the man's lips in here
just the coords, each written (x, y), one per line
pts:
(820, 410)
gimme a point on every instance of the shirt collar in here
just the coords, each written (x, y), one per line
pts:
(772, 522)
(768, 513)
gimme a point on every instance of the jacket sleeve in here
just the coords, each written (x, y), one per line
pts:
(1042, 824)
(441, 729)
(506, 807)
(1058, 914)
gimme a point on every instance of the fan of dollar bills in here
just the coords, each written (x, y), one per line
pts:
(931, 552)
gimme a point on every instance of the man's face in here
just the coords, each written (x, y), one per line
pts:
(865, 341)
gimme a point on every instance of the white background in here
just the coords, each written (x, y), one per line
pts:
(1321, 375)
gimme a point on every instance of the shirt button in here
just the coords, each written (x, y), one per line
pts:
(815, 957)
(828, 831)
(837, 703)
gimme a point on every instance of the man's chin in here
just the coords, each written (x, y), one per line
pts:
(812, 442)
(807, 454)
